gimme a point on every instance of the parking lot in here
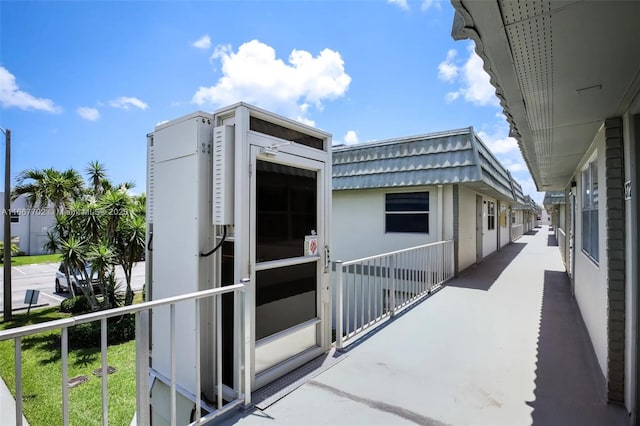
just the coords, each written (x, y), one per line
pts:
(42, 277)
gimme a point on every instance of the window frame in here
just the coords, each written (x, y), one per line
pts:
(14, 217)
(491, 215)
(388, 213)
(590, 232)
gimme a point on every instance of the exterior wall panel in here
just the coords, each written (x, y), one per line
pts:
(591, 279)
(359, 224)
(467, 229)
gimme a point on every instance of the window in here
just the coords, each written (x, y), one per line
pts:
(491, 215)
(590, 211)
(407, 212)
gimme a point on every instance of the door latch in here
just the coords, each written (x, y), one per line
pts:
(327, 259)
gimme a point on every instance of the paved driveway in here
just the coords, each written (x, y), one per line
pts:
(42, 277)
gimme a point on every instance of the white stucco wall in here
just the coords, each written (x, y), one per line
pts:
(358, 223)
(32, 226)
(447, 211)
(591, 279)
(467, 228)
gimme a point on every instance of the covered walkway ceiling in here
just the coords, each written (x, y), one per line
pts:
(560, 68)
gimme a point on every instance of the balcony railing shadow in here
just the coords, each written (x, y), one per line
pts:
(568, 376)
(485, 274)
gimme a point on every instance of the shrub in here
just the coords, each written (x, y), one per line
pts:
(114, 294)
(76, 305)
(119, 330)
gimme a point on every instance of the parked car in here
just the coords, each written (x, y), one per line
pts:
(63, 285)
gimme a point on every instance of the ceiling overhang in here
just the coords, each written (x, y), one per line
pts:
(560, 69)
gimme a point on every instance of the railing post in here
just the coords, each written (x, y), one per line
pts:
(142, 368)
(392, 272)
(246, 350)
(339, 306)
(103, 352)
(451, 261)
(18, 377)
(64, 359)
(172, 362)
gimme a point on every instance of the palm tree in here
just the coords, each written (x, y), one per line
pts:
(140, 204)
(74, 257)
(130, 246)
(33, 183)
(49, 186)
(51, 245)
(102, 259)
(115, 205)
(97, 174)
(65, 187)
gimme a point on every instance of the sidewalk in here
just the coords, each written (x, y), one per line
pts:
(503, 344)
(8, 407)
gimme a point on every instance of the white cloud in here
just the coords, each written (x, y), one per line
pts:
(126, 102)
(498, 143)
(402, 4)
(160, 123)
(428, 4)
(88, 113)
(305, 120)
(517, 167)
(508, 153)
(473, 81)
(351, 137)
(12, 96)
(448, 70)
(451, 96)
(254, 74)
(203, 42)
(529, 187)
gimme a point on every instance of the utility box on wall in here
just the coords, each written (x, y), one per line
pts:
(240, 193)
(179, 216)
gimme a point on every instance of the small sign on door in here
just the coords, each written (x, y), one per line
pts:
(311, 245)
(627, 190)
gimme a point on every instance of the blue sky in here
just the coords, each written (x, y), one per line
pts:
(84, 81)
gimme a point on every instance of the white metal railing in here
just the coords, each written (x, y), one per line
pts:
(561, 238)
(242, 386)
(371, 289)
(516, 231)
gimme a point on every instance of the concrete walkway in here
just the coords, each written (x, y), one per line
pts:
(504, 344)
(8, 407)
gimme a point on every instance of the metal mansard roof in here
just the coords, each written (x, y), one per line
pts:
(456, 156)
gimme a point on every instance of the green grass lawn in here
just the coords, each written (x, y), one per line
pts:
(41, 258)
(41, 376)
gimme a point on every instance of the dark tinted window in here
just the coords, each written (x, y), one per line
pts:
(286, 210)
(285, 297)
(271, 129)
(407, 212)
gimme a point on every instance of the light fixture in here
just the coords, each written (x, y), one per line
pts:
(589, 88)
